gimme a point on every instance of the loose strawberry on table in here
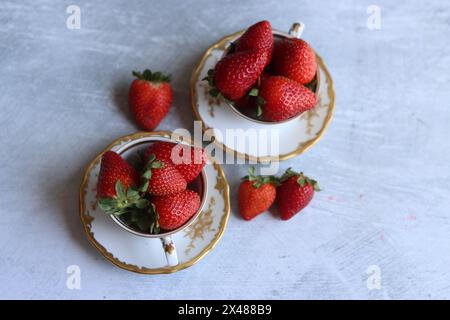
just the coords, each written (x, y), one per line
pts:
(295, 193)
(150, 97)
(256, 194)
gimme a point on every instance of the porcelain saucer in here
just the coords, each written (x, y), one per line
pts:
(145, 255)
(217, 117)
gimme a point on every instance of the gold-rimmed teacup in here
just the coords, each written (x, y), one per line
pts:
(295, 31)
(130, 149)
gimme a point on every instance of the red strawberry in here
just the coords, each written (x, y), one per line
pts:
(256, 194)
(283, 98)
(189, 166)
(295, 193)
(175, 209)
(150, 98)
(114, 168)
(163, 178)
(258, 37)
(294, 59)
(115, 186)
(235, 74)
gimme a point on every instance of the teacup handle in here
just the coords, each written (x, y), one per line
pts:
(170, 251)
(297, 29)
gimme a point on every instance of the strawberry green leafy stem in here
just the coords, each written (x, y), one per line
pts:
(123, 202)
(302, 180)
(132, 203)
(148, 75)
(149, 220)
(259, 181)
(154, 223)
(152, 163)
(260, 102)
(213, 91)
(146, 220)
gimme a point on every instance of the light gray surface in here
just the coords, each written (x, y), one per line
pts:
(383, 163)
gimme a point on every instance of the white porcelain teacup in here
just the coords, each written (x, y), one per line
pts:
(199, 185)
(295, 32)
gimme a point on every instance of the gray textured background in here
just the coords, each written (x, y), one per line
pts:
(383, 163)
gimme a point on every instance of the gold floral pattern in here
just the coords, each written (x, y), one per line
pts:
(202, 225)
(310, 114)
(205, 220)
(221, 183)
(88, 218)
(212, 101)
